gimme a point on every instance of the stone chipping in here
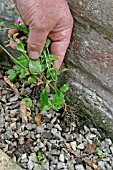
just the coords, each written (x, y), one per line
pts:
(22, 142)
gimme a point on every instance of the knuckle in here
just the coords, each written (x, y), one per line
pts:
(36, 45)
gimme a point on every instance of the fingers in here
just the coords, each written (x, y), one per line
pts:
(36, 41)
(60, 44)
(14, 43)
(11, 32)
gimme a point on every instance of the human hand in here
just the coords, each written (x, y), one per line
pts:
(50, 19)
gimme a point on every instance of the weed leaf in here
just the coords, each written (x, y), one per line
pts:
(20, 47)
(12, 74)
(48, 42)
(28, 101)
(21, 28)
(1, 24)
(23, 60)
(24, 73)
(17, 67)
(52, 57)
(45, 102)
(32, 79)
(65, 88)
(35, 67)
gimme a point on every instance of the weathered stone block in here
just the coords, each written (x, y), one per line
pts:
(90, 59)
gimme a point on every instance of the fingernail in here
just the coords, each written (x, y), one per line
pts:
(34, 55)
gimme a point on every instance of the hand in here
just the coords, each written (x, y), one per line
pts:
(46, 18)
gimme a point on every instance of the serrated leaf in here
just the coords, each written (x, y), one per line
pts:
(65, 88)
(45, 102)
(35, 67)
(1, 24)
(28, 101)
(12, 74)
(32, 79)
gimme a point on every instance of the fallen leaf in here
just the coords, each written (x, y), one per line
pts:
(28, 111)
(23, 111)
(91, 163)
(38, 119)
(90, 148)
(29, 141)
(8, 81)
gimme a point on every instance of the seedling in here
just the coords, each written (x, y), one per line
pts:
(100, 154)
(40, 157)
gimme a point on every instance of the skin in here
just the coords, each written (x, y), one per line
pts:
(46, 18)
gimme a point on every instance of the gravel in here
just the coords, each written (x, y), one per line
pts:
(43, 147)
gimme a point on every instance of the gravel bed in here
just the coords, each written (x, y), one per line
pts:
(24, 142)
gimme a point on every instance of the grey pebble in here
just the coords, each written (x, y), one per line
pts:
(60, 165)
(61, 157)
(73, 145)
(2, 119)
(37, 167)
(14, 112)
(79, 167)
(24, 156)
(14, 98)
(33, 157)
(102, 165)
(30, 165)
(46, 166)
(111, 148)
(81, 146)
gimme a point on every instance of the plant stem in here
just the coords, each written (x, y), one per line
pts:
(2, 29)
(12, 58)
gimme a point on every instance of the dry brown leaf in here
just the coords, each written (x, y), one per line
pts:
(88, 162)
(28, 111)
(90, 148)
(29, 141)
(71, 150)
(38, 119)
(8, 81)
(23, 111)
(92, 164)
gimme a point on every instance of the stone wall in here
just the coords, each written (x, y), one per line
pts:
(89, 57)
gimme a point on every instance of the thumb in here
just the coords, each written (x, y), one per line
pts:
(36, 42)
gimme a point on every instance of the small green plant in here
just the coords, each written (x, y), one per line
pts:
(100, 153)
(41, 71)
(40, 157)
(28, 101)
